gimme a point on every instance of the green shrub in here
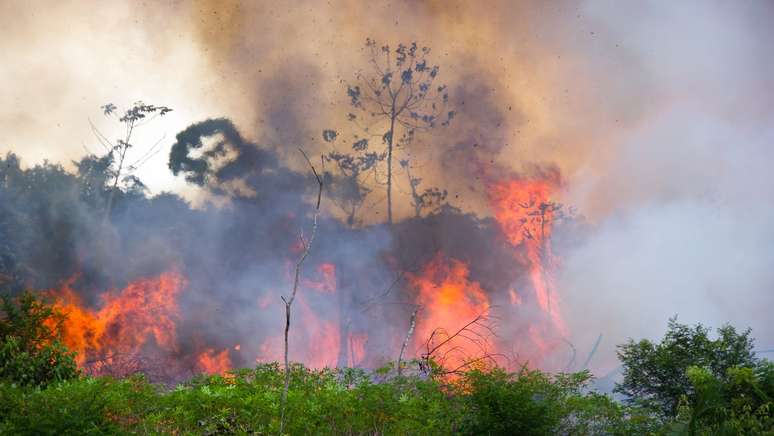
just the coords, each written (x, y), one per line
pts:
(38, 367)
(30, 353)
(356, 402)
(325, 402)
(654, 374)
(740, 403)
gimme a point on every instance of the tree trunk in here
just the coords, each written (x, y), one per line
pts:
(389, 164)
(123, 150)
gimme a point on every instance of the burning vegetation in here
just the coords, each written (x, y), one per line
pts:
(149, 323)
(154, 284)
(371, 237)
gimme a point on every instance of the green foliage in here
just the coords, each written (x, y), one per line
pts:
(319, 402)
(739, 403)
(721, 389)
(346, 401)
(38, 367)
(80, 406)
(655, 374)
(524, 403)
(531, 402)
(33, 322)
(30, 353)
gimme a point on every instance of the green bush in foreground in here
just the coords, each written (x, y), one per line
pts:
(30, 352)
(320, 402)
(689, 384)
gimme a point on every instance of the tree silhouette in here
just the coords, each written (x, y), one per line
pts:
(121, 170)
(430, 199)
(395, 99)
(347, 187)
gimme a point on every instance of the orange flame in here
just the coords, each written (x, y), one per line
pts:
(525, 213)
(448, 301)
(327, 279)
(317, 341)
(145, 309)
(211, 362)
(357, 348)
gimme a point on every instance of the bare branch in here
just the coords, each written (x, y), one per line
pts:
(412, 324)
(289, 302)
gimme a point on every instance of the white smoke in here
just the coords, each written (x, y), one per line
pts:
(687, 226)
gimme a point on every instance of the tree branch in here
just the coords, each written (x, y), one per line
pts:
(296, 279)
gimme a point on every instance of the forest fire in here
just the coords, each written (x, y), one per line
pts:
(326, 282)
(212, 362)
(453, 324)
(318, 330)
(145, 311)
(449, 301)
(525, 213)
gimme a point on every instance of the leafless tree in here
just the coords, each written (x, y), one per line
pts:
(412, 324)
(307, 247)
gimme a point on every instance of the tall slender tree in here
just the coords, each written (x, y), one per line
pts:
(395, 98)
(121, 169)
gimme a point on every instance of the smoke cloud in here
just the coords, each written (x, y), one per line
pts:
(657, 115)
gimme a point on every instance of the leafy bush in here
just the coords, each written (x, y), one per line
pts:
(655, 374)
(325, 401)
(720, 389)
(501, 404)
(319, 402)
(80, 406)
(740, 403)
(30, 352)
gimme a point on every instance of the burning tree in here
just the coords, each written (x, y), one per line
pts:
(526, 215)
(394, 100)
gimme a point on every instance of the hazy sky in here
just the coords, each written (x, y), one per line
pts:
(659, 114)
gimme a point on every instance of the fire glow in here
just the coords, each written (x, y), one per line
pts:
(525, 213)
(449, 301)
(144, 316)
(145, 309)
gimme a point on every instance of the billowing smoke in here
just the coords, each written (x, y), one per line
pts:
(681, 211)
(657, 116)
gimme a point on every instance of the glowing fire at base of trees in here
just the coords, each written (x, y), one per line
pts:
(145, 309)
(453, 324)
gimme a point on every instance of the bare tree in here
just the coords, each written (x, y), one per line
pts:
(348, 187)
(307, 246)
(122, 170)
(396, 98)
(412, 324)
(430, 199)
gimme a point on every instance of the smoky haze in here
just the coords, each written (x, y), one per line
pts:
(658, 116)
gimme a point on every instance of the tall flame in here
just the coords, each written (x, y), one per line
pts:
(449, 301)
(525, 213)
(145, 310)
(315, 338)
